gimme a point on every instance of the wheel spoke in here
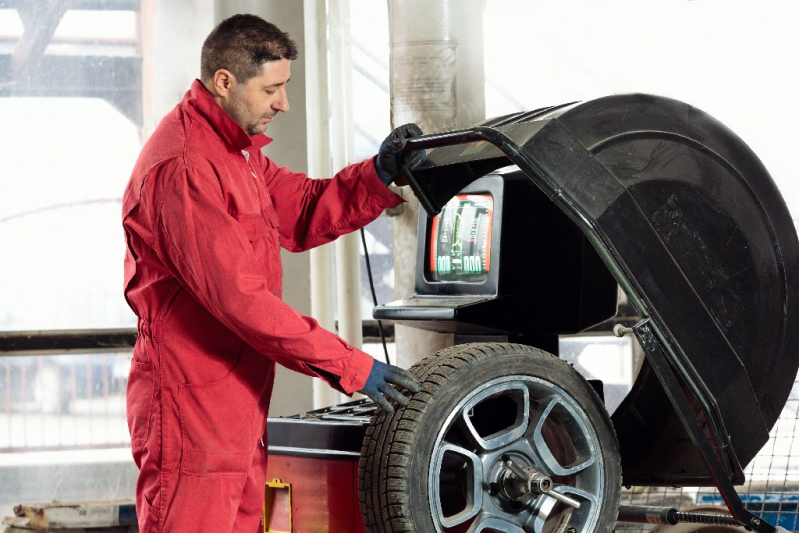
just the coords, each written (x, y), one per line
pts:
(543, 506)
(584, 495)
(588, 503)
(579, 435)
(494, 524)
(468, 430)
(521, 396)
(474, 485)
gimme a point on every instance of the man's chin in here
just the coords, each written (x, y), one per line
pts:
(255, 130)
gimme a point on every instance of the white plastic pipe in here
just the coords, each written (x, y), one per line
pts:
(317, 97)
(437, 81)
(343, 153)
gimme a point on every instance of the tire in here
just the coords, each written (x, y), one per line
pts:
(437, 465)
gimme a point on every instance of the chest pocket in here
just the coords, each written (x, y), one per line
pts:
(263, 237)
(270, 214)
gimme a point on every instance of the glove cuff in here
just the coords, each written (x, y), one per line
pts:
(384, 176)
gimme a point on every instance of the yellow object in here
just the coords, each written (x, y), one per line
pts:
(277, 507)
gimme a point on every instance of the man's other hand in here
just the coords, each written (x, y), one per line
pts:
(387, 163)
(379, 385)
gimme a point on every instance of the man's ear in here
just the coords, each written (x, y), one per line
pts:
(223, 82)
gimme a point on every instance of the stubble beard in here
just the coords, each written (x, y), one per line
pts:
(239, 112)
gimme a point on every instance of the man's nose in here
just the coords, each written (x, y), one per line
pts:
(282, 104)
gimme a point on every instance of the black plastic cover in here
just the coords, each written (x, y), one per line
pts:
(696, 232)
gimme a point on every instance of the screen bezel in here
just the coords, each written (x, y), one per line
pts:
(492, 185)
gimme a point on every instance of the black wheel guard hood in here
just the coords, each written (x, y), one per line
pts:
(692, 226)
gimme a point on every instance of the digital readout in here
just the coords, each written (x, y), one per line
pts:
(460, 239)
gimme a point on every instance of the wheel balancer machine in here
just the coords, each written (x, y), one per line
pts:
(531, 221)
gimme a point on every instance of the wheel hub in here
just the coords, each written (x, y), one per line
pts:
(519, 484)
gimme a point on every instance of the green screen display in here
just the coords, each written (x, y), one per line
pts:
(460, 239)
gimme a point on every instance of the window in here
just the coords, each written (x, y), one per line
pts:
(71, 108)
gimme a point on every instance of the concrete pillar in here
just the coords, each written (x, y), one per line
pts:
(437, 81)
(293, 392)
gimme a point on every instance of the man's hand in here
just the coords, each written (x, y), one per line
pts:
(378, 385)
(387, 162)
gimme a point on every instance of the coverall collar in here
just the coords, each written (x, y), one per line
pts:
(199, 102)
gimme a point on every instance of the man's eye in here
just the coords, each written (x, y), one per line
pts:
(270, 92)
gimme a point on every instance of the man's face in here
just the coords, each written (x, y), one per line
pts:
(254, 104)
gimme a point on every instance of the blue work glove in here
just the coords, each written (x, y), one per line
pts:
(378, 385)
(387, 164)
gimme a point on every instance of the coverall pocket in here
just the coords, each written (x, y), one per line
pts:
(140, 398)
(216, 421)
(253, 226)
(264, 240)
(256, 231)
(148, 516)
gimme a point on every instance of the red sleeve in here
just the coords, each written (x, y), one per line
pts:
(313, 212)
(207, 250)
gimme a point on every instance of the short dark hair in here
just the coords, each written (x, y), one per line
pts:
(242, 44)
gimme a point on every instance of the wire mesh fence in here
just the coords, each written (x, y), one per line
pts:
(63, 402)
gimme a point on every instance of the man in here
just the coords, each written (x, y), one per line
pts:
(205, 213)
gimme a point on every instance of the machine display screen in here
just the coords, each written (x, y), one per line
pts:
(460, 239)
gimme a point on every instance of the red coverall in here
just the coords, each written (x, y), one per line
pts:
(205, 213)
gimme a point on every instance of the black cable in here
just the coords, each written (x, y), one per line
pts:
(374, 294)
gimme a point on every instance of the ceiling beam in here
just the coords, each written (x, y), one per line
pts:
(84, 5)
(114, 79)
(40, 18)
